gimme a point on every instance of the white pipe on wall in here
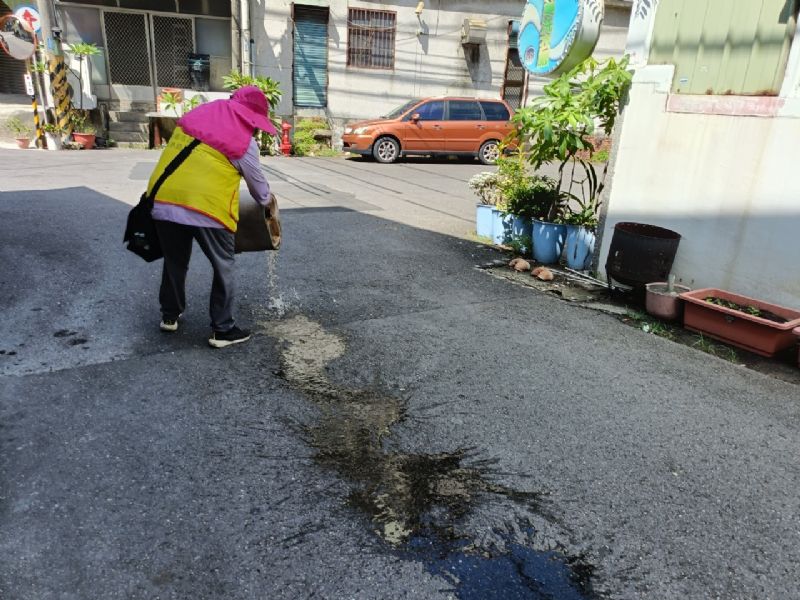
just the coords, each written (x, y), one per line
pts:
(247, 62)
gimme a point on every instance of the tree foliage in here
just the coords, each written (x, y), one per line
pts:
(558, 126)
(272, 90)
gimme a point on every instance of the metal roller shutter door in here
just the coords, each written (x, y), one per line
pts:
(11, 69)
(310, 76)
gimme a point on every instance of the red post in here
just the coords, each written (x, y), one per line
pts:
(286, 145)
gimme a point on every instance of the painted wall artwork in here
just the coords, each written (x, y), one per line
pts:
(556, 35)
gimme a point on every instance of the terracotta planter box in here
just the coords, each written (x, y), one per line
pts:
(797, 334)
(749, 332)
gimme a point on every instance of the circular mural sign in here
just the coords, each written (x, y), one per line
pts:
(557, 35)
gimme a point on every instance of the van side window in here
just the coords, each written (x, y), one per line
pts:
(431, 111)
(495, 111)
(465, 110)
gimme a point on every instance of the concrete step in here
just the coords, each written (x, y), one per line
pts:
(127, 126)
(13, 105)
(117, 116)
(127, 106)
(125, 137)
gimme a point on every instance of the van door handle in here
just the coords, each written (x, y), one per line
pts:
(437, 126)
(481, 126)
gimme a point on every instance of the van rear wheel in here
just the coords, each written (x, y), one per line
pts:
(386, 150)
(489, 152)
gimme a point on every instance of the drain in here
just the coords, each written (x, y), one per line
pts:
(420, 504)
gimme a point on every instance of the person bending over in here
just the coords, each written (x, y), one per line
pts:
(200, 201)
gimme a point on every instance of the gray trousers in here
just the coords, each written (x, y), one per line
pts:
(217, 245)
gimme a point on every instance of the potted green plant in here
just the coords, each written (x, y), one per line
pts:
(172, 100)
(192, 103)
(21, 131)
(525, 197)
(559, 128)
(83, 132)
(485, 186)
(581, 214)
(52, 135)
(752, 324)
(171, 103)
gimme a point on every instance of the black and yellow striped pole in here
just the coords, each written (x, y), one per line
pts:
(40, 142)
(31, 73)
(61, 92)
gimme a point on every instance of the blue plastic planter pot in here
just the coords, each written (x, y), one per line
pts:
(580, 247)
(548, 241)
(501, 227)
(506, 227)
(521, 228)
(483, 220)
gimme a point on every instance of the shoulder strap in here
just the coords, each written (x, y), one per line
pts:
(172, 166)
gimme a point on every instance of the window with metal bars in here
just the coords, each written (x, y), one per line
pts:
(370, 38)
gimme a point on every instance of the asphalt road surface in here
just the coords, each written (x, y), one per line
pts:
(402, 425)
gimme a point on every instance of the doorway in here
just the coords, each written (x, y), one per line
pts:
(310, 69)
(147, 52)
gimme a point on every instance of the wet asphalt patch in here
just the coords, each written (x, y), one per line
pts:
(420, 504)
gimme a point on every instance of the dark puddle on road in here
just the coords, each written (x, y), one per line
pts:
(421, 504)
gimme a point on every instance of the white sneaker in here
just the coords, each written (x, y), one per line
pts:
(228, 338)
(169, 325)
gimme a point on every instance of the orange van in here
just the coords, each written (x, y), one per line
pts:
(433, 126)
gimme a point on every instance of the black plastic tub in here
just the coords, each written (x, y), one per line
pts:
(640, 254)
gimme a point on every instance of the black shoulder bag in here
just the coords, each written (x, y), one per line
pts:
(140, 232)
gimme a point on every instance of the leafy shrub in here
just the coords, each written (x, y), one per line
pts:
(17, 127)
(271, 88)
(80, 122)
(303, 142)
(525, 195)
(514, 191)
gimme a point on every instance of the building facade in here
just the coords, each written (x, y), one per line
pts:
(146, 45)
(341, 59)
(337, 59)
(708, 142)
(353, 59)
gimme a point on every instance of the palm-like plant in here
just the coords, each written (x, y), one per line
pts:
(272, 90)
(81, 50)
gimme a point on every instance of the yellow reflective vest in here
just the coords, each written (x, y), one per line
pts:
(206, 182)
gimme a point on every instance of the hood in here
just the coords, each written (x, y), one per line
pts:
(228, 125)
(369, 123)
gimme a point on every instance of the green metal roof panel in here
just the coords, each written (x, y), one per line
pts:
(724, 47)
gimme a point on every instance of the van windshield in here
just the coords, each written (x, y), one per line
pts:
(397, 112)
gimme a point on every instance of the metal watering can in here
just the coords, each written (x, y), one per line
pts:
(257, 231)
